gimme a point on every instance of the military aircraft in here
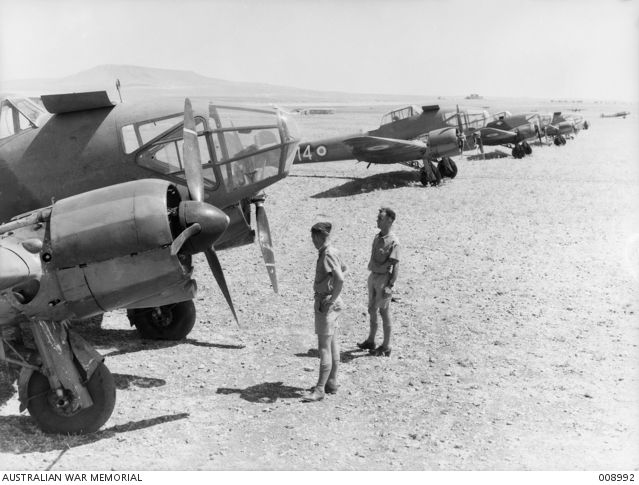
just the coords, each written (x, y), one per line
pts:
(412, 136)
(128, 245)
(618, 114)
(80, 142)
(562, 126)
(511, 131)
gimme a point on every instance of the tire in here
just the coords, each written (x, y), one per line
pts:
(557, 141)
(445, 168)
(562, 139)
(168, 322)
(438, 176)
(518, 152)
(41, 404)
(453, 166)
(527, 148)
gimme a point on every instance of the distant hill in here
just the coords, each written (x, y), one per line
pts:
(140, 82)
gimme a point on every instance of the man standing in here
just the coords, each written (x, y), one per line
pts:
(384, 268)
(329, 280)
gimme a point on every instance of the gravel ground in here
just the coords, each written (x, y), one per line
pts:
(515, 339)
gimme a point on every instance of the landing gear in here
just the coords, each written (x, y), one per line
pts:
(59, 412)
(560, 140)
(64, 384)
(447, 167)
(168, 322)
(518, 151)
(429, 174)
(527, 148)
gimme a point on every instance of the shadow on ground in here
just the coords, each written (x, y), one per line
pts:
(267, 392)
(379, 181)
(19, 434)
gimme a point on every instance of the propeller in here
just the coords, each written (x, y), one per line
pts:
(461, 137)
(264, 237)
(202, 224)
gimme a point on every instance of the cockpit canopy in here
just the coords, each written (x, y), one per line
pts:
(19, 114)
(400, 114)
(470, 119)
(238, 145)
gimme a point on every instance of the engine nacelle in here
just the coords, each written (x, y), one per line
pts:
(443, 142)
(107, 249)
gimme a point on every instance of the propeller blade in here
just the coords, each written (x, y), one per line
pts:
(179, 241)
(191, 152)
(264, 236)
(216, 269)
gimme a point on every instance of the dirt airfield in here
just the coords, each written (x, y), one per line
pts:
(515, 341)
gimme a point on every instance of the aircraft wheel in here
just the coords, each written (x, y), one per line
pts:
(55, 416)
(586, 125)
(438, 175)
(518, 152)
(447, 167)
(527, 148)
(562, 139)
(168, 322)
(453, 166)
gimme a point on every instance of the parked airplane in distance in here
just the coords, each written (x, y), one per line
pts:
(424, 138)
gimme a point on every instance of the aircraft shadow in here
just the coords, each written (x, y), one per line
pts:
(379, 181)
(267, 392)
(20, 435)
(128, 341)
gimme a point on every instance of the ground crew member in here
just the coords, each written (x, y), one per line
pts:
(329, 279)
(384, 268)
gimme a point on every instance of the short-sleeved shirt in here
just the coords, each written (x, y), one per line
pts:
(328, 262)
(384, 253)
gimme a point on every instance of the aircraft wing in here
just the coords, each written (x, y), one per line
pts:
(488, 131)
(374, 149)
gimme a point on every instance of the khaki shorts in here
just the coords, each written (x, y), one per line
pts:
(327, 320)
(376, 298)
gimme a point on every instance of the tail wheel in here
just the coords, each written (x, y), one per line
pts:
(168, 322)
(56, 415)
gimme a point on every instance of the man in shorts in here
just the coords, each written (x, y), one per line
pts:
(384, 268)
(329, 280)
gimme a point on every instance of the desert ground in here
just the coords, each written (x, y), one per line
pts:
(516, 328)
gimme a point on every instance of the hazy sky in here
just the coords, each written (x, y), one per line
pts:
(538, 48)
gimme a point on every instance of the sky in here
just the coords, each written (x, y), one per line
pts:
(557, 49)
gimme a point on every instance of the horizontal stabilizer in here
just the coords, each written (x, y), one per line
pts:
(71, 102)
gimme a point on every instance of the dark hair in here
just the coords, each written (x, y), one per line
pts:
(389, 212)
(322, 228)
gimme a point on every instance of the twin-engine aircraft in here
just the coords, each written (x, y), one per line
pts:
(512, 131)
(83, 142)
(127, 245)
(409, 135)
(564, 126)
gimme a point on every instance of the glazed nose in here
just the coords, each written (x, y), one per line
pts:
(213, 223)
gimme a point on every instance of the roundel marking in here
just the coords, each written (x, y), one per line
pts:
(321, 151)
